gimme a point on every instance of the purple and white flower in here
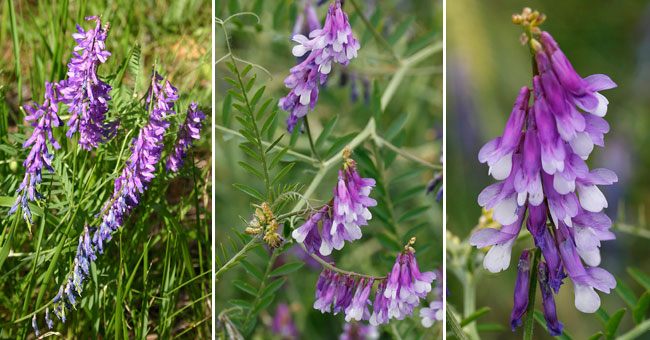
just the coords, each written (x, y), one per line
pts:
(43, 118)
(359, 331)
(83, 92)
(545, 173)
(190, 129)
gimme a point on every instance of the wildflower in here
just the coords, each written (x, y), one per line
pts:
(548, 302)
(359, 331)
(42, 118)
(83, 92)
(434, 312)
(307, 20)
(282, 323)
(545, 173)
(341, 221)
(35, 326)
(521, 290)
(146, 151)
(333, 43)
(357, 309)
(190, 129)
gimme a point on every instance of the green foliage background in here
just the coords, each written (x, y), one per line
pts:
(412, 120)
(486, 67)
(154, 277)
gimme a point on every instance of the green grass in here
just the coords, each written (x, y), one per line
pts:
(154, 277)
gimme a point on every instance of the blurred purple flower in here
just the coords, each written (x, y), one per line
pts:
(83, 92)
(521, 290)
(190, 129)
(42, 118)
(359, 331)
(282, 324)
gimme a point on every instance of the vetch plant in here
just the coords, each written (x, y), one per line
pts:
(114, 179)
(541, 157)
(290, 217)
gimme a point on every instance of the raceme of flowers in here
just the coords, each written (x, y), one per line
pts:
(146, 152)
(541, 161)
(42, 118)
(396, 295)
(341, 221)
(83, 92)
(87, 99)
(187, 131)
(333, 43)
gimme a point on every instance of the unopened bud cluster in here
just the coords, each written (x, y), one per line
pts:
(265, 222)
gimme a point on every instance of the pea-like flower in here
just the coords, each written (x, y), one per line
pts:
(359, 331)
(190, 129)
(83, 92)
(333, 43)
(541, 160)
(43, 118)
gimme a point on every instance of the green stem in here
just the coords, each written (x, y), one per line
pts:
(373, 30)
(248, 246)
(454, 326)
(311, 140)
(469, 303)
(382, 142)
(530, 310)
(341, 271)
(637, 331)
(269, 267)
(406, 65)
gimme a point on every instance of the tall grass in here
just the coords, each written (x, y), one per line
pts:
(154, 277)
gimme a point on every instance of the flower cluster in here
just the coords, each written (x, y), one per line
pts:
(42, 118)
(265, 223)
(541, 160)
(396, 295)
(434, 312)
(83, 92)
(341, 221)
(333, 43)
(146, 151)
(187, 131)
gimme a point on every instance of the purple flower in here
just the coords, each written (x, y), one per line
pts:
(350, 209)
(380, 306)
(499, 151)
(190, 129)
(498, 257)
(35, 326)
(312, 22)
(406, 286)
(42, 118)
(341, 221)
(282, 323)
(435, 311)
(521, 290)
(83, 92)
(333, 43)
(358, 309)
(146, 151)
(545, 173)
(359, 331)
(553, 325)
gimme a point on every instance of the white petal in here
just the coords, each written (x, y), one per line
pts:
(586, 299)
(501, 169)
(538, 197)
(562, 186)
(305, 97)
(591, 257)
(591, 198)
(498, 257)
(582, 145)
(506, 211)
(299, 50)
(521, 198)
(601, 109)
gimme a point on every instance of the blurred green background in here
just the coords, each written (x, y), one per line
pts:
(418, 100)
(486, 66)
